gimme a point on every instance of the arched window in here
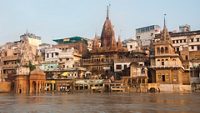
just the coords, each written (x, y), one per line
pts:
(158, 50)
(166, 50)
(162, 50)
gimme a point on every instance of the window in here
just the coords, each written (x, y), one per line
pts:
(186, 57)
(131, 46)
(198, 47)
(125, 66)
(192, 47)
(177, 49)
(52, 55)
(163, 78)
(158, 50)
(56, 54)
(192, 40)
(184, 40)
(173, 41)
(176, 41)
(197, 39)
(163, 63)
(162, 50)
(118, 67)
(180, 41)
(138, 37)
(47, 55)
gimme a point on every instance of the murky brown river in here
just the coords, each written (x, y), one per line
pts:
(100, 103)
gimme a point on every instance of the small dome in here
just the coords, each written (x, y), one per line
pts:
(37, 71)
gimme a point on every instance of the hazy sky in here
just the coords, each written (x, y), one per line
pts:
(52, 19)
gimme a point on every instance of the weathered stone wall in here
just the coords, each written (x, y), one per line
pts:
(5, 86)
(174, 88)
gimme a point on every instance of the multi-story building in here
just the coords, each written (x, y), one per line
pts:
(32, 39)
(190, 39)
(146, 34)
(17, 54)
(52, 55)
(187, 44)
(166, 64)
(64, 59)
(132, 45)
(69, 58)
(76, 42)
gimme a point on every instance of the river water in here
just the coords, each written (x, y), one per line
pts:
(100, 103)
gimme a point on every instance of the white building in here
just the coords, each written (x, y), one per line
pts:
(119, 66)
(146, 34)
(52, 55)
(69, 58)
(132, 45)
(189, 39)
(66, 59)
(32, 39)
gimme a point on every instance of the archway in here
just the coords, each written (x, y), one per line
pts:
(34, 87)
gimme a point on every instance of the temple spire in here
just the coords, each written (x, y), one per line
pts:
(108, 8)
(164, 21)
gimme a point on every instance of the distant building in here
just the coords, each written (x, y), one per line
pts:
(76, 42)
(32, 39)
(69, 59)
(132, 45)
(184, 28)
(146, 34)
(52, 54)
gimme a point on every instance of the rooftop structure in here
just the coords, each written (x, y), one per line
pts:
(146, 34)
(70, 40)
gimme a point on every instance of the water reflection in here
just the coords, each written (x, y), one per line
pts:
(100, 103)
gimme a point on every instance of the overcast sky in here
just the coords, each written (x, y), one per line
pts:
(53, 19)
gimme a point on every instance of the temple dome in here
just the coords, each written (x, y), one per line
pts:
(37, 71)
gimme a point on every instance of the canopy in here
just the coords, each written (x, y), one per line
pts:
(65, 74)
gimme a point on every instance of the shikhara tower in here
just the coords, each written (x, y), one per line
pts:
(108, 35)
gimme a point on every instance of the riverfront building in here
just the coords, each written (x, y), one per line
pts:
(167, 66)
(111, 56)
(187, 45)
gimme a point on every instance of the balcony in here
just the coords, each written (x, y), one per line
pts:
(10, 58)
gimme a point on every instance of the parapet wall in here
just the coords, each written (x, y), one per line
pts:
(170, 87)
